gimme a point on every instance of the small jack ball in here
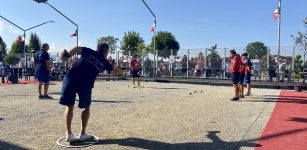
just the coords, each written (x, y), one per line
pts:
(128, 85)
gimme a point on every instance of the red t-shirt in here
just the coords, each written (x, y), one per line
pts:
(133, 64)
(235, 64)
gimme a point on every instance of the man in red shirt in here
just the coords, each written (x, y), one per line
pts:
(235, 73)
(135, 70)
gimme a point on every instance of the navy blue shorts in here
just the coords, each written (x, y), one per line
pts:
(135, 74)
(248, 79)
(241, 80)
(70, 88)
(235, 76)
(42, 76)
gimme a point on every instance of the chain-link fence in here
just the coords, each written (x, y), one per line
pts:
(188, 63)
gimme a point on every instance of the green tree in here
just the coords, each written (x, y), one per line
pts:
(132, 41)
(214, 58)
(298, 68)
(17, 47)
(301, 38)
(200, 54)
(34, 42)
(256, 48)
(111, 40)
(165, 42)
(11, 59)
(3, 50)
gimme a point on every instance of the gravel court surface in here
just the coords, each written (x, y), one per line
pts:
(158, 116)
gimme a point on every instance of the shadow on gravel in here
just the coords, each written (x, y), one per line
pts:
(10, 146)
(216, 143)
(280, 99)
(1, 119)
(55, 93)
(303, 120)
(101, 101)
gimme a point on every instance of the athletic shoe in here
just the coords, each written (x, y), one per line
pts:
(85, 137)
(235, 98)
(71, 138)
(248, 94)
(41, 97)
(47, 97)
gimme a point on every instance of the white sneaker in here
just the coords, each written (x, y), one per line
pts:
(85, 137)
(71, 138)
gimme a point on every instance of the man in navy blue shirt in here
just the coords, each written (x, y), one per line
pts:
(80, 80)
(42, 70)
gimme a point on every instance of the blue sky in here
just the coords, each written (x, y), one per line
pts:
(195, 23)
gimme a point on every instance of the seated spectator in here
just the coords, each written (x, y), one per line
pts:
(55, 72)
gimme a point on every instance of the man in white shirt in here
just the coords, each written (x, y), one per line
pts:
(257, 67)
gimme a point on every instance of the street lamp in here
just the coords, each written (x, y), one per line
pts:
(46, 2)
(154, 32)
(24, 35)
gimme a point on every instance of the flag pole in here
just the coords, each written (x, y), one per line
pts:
(278, 44)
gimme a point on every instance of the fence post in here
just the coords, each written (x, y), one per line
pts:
(188, 57)
(157, 51)
(293, 57)
(143, 62)
(171, 62)
(205, 67)
(128, 61)
(224, 67)
(268, 64)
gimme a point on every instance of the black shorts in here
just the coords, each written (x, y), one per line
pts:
(70, 88)
(241, 80)
(235, 76)
(135, 74)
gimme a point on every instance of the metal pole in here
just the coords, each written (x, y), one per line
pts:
(188, 63)
(24, 51)
(154, 46)
(171, 63)
(293, 55)
(224, 62)
(205, 67)
(143, 62)
(157, 61)
(268, 64)
(278, 54)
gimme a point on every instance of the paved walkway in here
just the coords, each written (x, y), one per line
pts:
(159, 116)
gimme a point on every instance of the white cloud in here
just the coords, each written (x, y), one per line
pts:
(1, 26)
(14, 30)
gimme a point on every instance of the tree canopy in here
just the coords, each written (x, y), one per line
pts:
(34, 42)
(133, 42)
(165, 42)
(256, 48)
(3, 50)
(111, 40)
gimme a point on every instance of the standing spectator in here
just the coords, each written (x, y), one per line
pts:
(2, 71)
(112, 63)
(257, 67)
(42, 70)
(198, 67)
(247, 70)
(235, 73)
(242, 75)
(135, 70)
